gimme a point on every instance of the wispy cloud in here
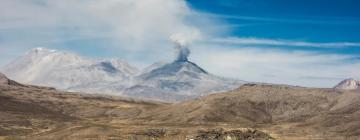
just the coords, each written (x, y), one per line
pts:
(302, 20)
(277, 66)
(281, 42)
(139, 31)
(130, 27)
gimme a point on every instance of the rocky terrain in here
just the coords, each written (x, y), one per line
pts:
(253, 111)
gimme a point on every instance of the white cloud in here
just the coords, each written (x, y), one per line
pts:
(132, 21)
(277, 66)
(138, 29)
(281, 42)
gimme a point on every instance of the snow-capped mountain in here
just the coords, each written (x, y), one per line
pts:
(178, 80)
(348, 84)
(65, 70)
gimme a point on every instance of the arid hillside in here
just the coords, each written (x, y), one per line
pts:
(253, 111)
(32, 112)
(280, 109)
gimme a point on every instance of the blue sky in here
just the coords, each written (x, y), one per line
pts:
(305, 20)
(312, 43)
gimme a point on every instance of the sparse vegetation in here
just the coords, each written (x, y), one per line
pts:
(253, 112)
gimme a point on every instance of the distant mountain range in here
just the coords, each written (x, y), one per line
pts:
(174, 81)
(178, 80)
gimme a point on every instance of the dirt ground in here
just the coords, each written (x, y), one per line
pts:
(254, 111)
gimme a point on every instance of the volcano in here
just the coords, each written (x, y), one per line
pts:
(179, 80)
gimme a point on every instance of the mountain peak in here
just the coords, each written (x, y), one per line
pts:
(119, 65)
(175, 68)
(348, 84)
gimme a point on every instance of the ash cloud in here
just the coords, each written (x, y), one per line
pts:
(182, 51)
(182, 42)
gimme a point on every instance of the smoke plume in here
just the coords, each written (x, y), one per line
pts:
(183, 51)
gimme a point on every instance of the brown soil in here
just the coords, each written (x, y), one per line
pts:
(254, 111)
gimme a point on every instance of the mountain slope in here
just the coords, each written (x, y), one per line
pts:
(66, 70)
(4, 80)
(279, 108)
(182, 79)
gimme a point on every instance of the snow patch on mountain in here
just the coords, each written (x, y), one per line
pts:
(65, 70)
(348, 84)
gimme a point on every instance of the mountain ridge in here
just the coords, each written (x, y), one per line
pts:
(63, 70)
